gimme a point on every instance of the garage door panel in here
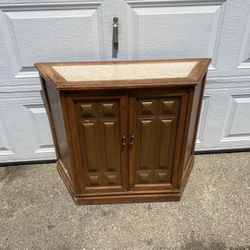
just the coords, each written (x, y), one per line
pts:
(227, 120)
(171, 30)
(42, 138)
(234, 45)
(25, 133)
(35, 33)
(236, 125)
(6, 149)
(243, 65)
(203, 119)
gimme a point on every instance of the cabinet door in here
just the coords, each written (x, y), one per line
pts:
(98, 126)
(156, 126)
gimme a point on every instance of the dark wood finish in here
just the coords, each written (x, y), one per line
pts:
(194, 110)
(98, 125)
(54, 110)
(155, 122)
(124, 141)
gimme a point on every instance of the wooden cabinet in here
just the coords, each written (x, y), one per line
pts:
(124, 131)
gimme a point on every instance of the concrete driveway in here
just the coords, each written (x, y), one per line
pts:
(37, 212)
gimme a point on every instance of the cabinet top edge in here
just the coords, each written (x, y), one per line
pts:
(124, 74)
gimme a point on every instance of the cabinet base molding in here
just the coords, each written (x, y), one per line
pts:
(127, 199)
(65, 177)
(186, 173)
(121, 198)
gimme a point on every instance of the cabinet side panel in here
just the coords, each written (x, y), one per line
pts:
(194, 121)
(58, 127)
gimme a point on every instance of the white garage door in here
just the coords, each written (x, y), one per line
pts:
(32, 31)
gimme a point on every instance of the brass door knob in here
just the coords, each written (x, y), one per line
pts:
(124, 140)
(132, 139)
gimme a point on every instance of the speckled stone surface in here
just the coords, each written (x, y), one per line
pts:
(125, 71)
(37, 212)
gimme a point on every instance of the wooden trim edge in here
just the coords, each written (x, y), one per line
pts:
(63, 173)
(186, 173)
(127, 199)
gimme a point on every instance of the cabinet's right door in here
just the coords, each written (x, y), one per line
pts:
(156, 127)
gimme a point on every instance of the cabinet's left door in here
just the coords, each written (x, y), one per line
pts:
(98, 127)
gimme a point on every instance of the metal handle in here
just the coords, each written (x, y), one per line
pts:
(124, 140)
(132, 139)
(115, 37)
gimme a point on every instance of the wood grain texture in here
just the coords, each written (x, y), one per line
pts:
(194, 121)
(130, 144)
(97, 126)
(57, 123)
(155, 133)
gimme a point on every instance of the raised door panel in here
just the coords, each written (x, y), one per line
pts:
(154, 123)
(100, 126)
(154, 151)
